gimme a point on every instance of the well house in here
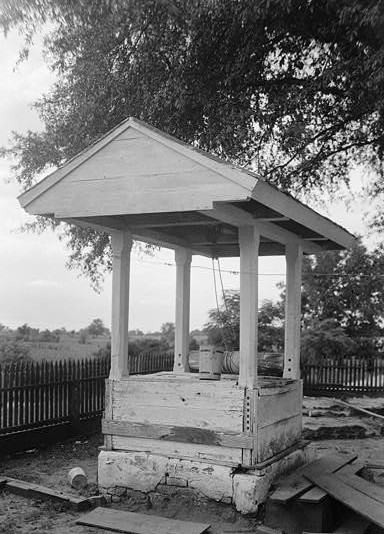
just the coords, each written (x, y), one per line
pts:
(226, 439)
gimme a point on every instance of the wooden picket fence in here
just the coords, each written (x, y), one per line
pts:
(355, 376)
(59, 398)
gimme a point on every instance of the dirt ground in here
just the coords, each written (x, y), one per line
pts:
(50, 466)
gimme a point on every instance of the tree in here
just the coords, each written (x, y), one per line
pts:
(293, 90)
(271, 330)
(26, 333)
(13, 351)
(223, 326)
(346, 287)
(97, 328)
(325, 340)
(168, 334)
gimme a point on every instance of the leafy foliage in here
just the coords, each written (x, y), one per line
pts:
(347, 287)
(223, 326)
(97, 328)
(13, 351)
(293, 90)
(325, 339)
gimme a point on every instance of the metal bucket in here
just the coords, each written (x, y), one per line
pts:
(210, 362)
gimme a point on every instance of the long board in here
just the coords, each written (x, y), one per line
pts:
(347, 495)
(296, 484)
(133, 523)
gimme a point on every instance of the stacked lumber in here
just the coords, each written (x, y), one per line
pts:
(327, 495)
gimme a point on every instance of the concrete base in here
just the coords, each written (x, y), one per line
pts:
(119, 471)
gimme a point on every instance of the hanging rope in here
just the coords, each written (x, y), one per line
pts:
(225, 302)
(217, 306)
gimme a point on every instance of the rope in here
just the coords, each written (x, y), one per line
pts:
(217, 306)
(225, 301)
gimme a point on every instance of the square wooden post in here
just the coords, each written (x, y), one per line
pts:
(294, 260)
(121, 249)
(249, 239)
(183, 258)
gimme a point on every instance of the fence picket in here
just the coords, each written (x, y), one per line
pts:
(349, 376)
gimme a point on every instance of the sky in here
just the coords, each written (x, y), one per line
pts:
(35, 285)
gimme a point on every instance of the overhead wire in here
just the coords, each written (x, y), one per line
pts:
(237, 272)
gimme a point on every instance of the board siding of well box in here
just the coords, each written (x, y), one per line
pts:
(203, 420)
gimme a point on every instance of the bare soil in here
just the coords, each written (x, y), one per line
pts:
(50, 466)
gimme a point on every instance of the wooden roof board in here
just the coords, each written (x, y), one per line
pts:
(137, 169)
(134, 174)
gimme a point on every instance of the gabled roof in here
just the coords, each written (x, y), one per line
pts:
(140, 178)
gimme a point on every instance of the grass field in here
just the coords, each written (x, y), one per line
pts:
(68, 347)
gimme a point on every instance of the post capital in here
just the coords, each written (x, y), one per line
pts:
(183, 256)
(121, 242)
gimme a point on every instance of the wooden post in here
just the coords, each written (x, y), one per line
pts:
(294, 259)
(121, 249)
(183, 258)
(249, 239)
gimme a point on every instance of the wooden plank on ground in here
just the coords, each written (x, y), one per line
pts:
(296, 484)
(347, 495)
(351, 469)
(133, 523)
(28, 489)
(368, 488)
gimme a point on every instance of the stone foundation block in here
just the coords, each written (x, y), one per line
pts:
(139, 471)
(120, 472)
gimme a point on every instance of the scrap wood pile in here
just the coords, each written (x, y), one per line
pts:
(328, 495)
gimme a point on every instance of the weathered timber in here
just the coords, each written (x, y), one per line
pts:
(226, 456)
(133, 523)
(296, 484)
(178, 433)
(358, 409)
(351, 497)
(364, 486)
(36, 491)
(175, 400)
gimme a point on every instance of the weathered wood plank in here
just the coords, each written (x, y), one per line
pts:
(179, 402)
(296, 484)
(185, 451)
(279, 405)
(364, 486)
(180, 434)
(133, 523)
(28, 489)
(275, 437)
(347, 495)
